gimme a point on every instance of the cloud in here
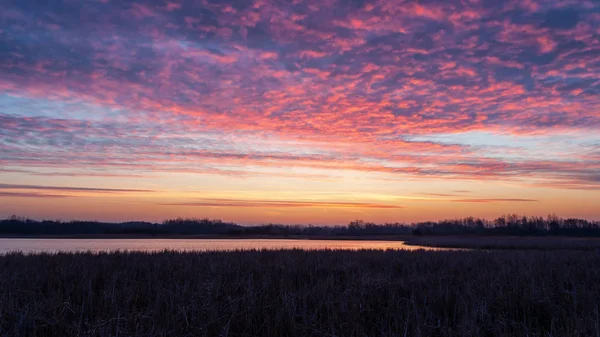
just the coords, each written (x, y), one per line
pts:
(238, 86)
(494, 200)
(281, 204)
(73, 174)
(439, 194)
(71, 189)
(30, 195)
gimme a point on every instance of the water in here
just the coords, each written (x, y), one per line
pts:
(153, 245)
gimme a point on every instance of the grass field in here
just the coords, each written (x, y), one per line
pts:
(302, 293)
(506, 242)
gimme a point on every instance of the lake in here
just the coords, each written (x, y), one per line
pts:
(40, 245)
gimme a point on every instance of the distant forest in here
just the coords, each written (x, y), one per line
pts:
(504, 225)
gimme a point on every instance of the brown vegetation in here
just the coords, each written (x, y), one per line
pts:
(506, 242)
(302, 293)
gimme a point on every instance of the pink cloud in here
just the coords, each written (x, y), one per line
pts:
(352, 84)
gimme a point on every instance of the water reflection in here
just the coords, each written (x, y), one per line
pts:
(153, 245)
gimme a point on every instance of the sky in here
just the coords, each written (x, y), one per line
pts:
(299, 111)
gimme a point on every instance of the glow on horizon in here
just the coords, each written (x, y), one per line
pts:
(299, 112)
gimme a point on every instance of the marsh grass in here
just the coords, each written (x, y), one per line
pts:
(506, 242)
(301, 293)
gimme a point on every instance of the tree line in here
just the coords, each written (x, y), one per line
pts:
(511, 224)
(505, 225)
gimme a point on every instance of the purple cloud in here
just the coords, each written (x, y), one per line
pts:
(205, 87)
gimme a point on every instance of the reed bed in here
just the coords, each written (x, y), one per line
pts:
(506, 242)
(301, 293)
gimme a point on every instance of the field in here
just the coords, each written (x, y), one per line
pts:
(505, 242)
(302, 293)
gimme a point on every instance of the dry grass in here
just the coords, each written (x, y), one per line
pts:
(302, 293)
(506, 242)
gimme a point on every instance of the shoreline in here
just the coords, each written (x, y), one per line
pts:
(212, 237)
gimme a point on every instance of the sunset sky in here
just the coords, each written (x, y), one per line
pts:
(299, 111)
